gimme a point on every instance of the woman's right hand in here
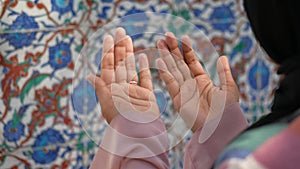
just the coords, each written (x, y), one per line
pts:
(114, 88)
(194, 95)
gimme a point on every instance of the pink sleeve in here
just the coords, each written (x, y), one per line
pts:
(280, 151)
(127, 144)
(203, 155)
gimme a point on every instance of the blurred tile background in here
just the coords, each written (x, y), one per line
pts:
(40, 41)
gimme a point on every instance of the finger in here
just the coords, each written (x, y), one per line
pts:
(145, 75)
(130, 61)
(170, 81)
(190, 57)
(96, 82)
(184, 69)
(224, 72)
(172, 43)
(120, 69)
(120, 53)
(107, 65)
(103, 95)
(120, 42)
(170, 62)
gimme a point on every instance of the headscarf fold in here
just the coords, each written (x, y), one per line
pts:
(276, 25)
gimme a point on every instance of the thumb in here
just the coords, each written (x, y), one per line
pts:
(104, 96)
(98, 84)
(224, 72)
(95, 80)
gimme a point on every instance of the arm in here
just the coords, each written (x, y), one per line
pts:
(204, 154)
(137, 145)
(135, 136)
(212, 112)
(280, 151)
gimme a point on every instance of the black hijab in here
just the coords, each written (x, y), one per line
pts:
(276, 25)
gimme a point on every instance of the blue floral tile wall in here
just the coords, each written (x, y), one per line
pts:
(40, 41)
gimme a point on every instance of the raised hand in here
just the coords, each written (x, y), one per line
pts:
(117, 87)
(194, 95)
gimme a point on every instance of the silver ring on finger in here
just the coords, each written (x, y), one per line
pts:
(133, 82)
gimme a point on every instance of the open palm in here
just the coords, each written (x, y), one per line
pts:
(194, 95)
(117, 87)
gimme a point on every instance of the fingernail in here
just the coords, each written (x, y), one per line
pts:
(128, 37)
(143, 60)
(224, 61)
(121, 30)
(186, 40)
(161, 65)
(90, 78)
(108, 37)
(119, 35)
(161, 44)
(170, 34)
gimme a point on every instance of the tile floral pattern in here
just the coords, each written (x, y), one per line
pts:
(40, 41)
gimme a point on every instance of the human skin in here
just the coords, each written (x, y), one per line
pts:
(116, 94)
(181, 71)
